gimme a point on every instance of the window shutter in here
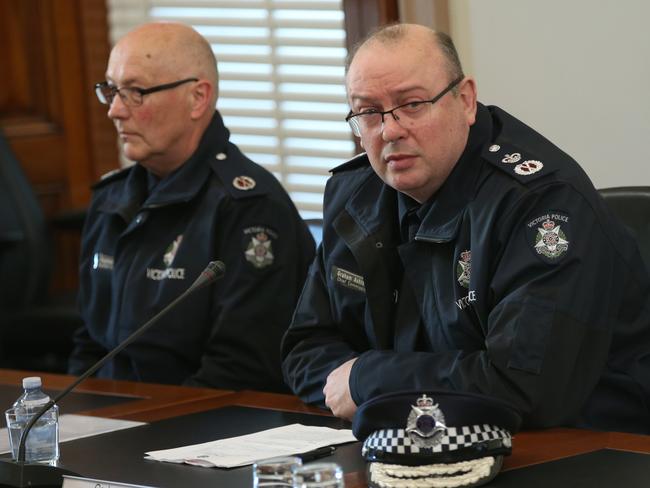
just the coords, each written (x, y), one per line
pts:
(281, 74)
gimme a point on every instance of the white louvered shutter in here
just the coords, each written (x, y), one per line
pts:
(281, 75)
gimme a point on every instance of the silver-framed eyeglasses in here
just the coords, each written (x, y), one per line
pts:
(132, 95)
(371, 119)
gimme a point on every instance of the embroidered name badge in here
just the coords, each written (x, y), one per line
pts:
(258, 249)
(348, 279)
(548, 235)
(102, 261)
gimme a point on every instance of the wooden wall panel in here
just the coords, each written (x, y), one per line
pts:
(94, 28)
(52, 52)
(361, 18)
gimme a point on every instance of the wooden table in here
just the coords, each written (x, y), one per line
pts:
(150, 401)
(156, 402)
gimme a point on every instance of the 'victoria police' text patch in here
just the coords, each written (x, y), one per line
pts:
(548, 235)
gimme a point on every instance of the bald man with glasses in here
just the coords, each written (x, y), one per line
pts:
(192, 197)
(465, 252)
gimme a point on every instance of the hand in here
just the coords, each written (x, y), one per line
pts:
(337, 391)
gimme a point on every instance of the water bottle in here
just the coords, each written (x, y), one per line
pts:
(42, 444)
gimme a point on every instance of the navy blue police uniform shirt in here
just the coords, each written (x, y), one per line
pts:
(144, 243)
(518, 283)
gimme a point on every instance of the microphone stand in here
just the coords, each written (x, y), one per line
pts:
(43, 475)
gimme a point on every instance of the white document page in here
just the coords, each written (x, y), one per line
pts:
(73, 426)
(247, 449)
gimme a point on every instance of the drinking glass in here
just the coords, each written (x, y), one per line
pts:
(275, 472)
(318, 475)
(42, 444)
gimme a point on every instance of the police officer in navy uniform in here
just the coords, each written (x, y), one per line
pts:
(466, 252)
(192, 198)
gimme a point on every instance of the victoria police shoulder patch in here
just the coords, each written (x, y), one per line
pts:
(548, 235)
(258, 246)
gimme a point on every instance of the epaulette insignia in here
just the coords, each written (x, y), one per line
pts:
(514, 161)
(244, 183)
(236, 182)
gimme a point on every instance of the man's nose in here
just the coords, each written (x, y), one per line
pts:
(391, 129)
(117, 109)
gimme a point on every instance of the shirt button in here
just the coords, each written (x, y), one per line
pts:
(139, 219)
(221, 156)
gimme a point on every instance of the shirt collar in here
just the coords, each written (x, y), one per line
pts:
(442, 213)
(179, 186)
(406, 207)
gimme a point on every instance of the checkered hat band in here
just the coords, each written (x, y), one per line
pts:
(397, 440)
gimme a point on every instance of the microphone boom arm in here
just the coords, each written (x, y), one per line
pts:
(210, 274)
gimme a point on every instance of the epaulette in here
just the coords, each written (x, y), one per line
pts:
(516, 162)
(111, 176)
(239, 182)
(359, 160)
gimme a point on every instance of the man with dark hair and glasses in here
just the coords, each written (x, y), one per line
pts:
(465, 252)
(191, 198)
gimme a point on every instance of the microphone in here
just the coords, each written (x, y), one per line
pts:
(18, 474)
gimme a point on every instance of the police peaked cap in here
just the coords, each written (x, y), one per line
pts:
(390, 411)
(434, 438)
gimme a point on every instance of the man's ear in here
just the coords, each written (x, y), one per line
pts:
(201, 98)
(467, 95)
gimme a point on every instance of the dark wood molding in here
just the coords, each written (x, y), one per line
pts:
(28, 126)
(52, 53)
(361, 17)
(442, 16)
(96, 49)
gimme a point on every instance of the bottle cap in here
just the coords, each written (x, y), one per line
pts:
(32, 382)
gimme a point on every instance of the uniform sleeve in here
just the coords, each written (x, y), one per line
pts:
(554, 301)
(267, 249)
(315, 345)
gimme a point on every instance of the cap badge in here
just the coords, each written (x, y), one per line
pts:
(426, 423)
(529, 167)
(244, 183)
(511, 158)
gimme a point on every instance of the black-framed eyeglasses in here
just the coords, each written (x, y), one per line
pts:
(370, 120)
(132, 95)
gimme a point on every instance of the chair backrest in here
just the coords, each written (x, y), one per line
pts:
(631, 204)
(25, 256)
